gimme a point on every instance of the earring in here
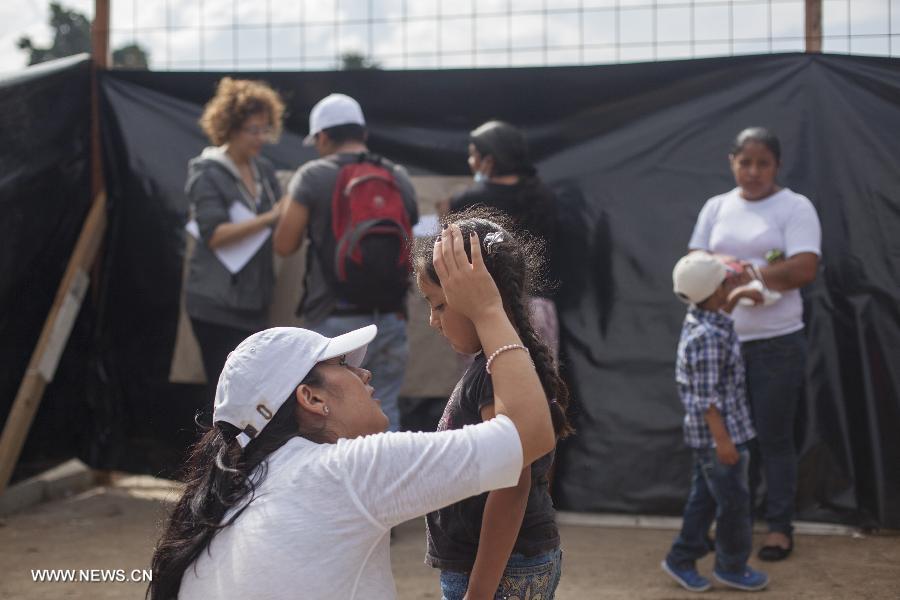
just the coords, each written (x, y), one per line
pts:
(325, 410)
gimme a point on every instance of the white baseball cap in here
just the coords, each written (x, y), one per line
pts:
(331, 111)
(696, 277)
(263, 371)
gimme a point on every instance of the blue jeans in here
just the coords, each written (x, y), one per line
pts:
(524, 577)
(718, 492)
(386, 356)
(775, 375)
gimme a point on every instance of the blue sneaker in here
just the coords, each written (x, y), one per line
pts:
(749, 580)
(689, 579)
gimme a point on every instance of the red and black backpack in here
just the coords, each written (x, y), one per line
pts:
(369, 261)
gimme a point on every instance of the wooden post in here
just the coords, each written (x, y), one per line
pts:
(100, 55)
(814, 26)
(70, 293)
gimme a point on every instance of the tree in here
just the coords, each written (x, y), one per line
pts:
(356, 61)
(131, 56)
(72, 35)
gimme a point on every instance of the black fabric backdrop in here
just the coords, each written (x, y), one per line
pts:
(44, 197)
(633, 152)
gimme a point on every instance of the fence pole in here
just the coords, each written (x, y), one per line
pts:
(814, 26)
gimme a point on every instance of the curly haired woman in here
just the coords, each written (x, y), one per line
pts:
(226, 307)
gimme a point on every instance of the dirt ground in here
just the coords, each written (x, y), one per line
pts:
(115, 528)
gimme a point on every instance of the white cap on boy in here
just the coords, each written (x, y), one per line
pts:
(263, 371)
(696, 277)
(331, 111)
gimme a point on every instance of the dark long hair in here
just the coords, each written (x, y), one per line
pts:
(534, 206)
(517, 267)
(219, 475)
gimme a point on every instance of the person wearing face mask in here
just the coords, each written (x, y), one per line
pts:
(506, 180)
(226, 307)
(775, 234)
(294, 489)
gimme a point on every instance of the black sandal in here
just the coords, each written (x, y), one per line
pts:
(776, 553)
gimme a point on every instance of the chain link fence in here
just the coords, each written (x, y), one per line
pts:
(427, 34)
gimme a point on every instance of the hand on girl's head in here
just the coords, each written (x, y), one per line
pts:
(450, 253)
(468, 286)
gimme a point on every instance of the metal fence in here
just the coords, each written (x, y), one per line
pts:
(402, 34)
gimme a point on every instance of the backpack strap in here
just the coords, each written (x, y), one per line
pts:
(375, 159)
(361, 157)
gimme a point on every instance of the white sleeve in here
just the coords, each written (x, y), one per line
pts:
(802, 232)
(401, 475)
(703, 226)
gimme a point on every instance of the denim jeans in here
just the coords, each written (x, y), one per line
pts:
(386, 356)
(775, 374)
(525, 577)
(718, 492)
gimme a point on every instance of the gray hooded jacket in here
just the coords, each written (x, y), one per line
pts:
(212, 293)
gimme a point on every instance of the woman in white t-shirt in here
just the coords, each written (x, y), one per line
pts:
(293, 492)
(775, 233)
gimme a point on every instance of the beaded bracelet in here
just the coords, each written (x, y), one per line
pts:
(501, 350)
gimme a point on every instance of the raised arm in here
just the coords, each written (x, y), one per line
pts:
(518, 394)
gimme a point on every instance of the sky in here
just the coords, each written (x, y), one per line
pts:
(199, 34)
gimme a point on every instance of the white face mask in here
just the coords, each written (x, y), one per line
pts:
(479, 177)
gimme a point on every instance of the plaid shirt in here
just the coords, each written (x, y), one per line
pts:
(710, 372)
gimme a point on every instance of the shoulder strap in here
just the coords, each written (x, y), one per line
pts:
(372, 158)
(267, 187)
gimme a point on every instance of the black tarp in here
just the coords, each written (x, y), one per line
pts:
(633, 151)
(44, 197)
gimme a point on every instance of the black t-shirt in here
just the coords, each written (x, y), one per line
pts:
(453, 531)
(529, 203)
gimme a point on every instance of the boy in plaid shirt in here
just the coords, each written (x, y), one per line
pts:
(717, 427)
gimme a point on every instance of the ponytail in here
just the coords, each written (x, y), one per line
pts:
(216, 481)
(516, 302)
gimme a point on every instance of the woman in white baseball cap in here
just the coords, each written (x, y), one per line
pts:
(294, 490)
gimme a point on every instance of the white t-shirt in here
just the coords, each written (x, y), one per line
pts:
(319, 527)
(747, 230)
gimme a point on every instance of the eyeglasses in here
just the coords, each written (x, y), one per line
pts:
(258, 131)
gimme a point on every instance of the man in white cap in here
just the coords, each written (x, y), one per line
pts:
(709, 372)
(375, 292)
